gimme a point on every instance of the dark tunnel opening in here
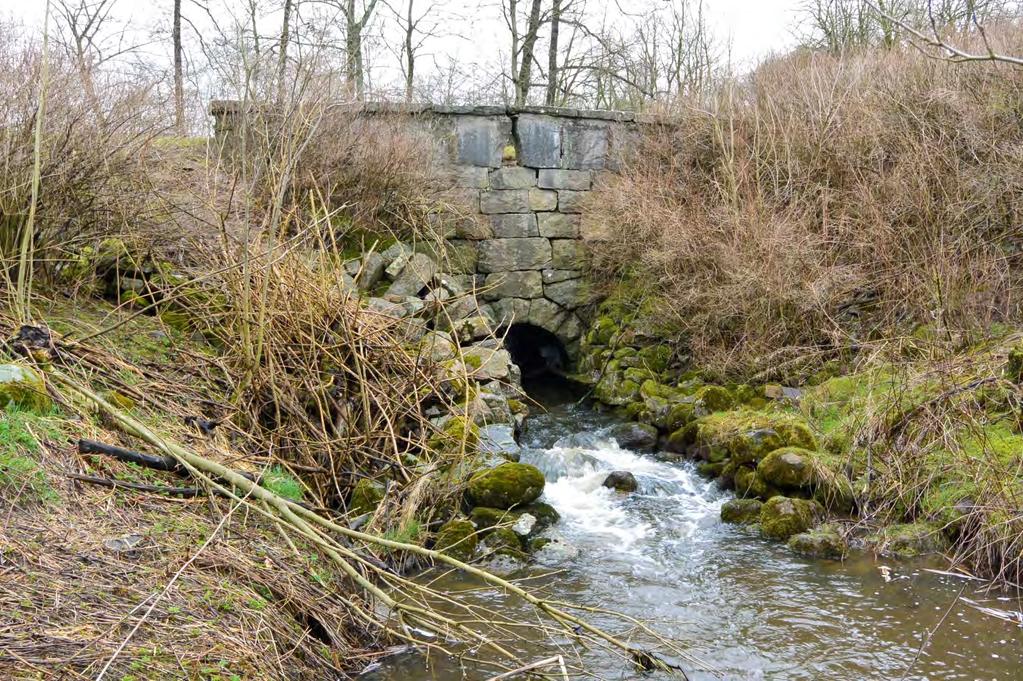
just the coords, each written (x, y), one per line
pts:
(543, 361)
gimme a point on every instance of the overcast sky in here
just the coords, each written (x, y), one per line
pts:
(752, 28)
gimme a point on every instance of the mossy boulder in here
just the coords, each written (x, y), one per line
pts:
(487, 518)
(506, 486)
(741, 511)
(1014, 365)
(909, 540)
(366, 496)
(789, 468)
(655, 357)
(603, 331)
(636, 436)
(714, 398)
(748, 435)
(752, 446)
(749, 484)
(504, 542)
(783, 517)
(457, 538)
(22, 387)
(820, 542)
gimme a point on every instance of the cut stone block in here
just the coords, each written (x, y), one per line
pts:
(539, 141)
(585, 145)
(504, 201)
(480, 140)
(567, 254)
(570, 201)
(571, 293)
(513, 177)
(542, 199)
(554, 276)
(558, 225)
(506, 255)
(513, 225)
(500, 285)
(576, 180)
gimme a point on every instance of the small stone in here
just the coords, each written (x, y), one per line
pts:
(419, 270)
(486, 364)
(524, 525)
(621, 481)
(821, 542)
(23, 387)
(123, 544)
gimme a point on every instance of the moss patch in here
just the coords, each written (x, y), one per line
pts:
(457, 538)
(782, 517)
(507, 485)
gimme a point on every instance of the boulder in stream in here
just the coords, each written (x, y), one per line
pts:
(621, 481)
(782, 517)
(457, 538)
(741, 511)
(640, 437)
(506, 486)
(820, 542)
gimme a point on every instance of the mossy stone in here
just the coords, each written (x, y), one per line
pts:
(712, 470)
(487, 518)
(790, 468)
(782, 517)
(603, 330)
(366, 496)
(504, 541)
(820, 542)
(506, 486)
(456, 433)
(655, 357)
(909, 540)
(741, 511)
(748, 483)
(457, 538)
(715, 398)
(1014, 365)
(22, 387)
(752, 446)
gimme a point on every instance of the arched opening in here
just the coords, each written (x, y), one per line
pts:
(536, 350)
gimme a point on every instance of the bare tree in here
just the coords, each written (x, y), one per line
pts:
(416, 28)
(550, 98)
(179, 72)
(522, 79)
(355, 24)
(282, 50)
(88, 35)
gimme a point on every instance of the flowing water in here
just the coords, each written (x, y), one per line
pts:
(748, 606)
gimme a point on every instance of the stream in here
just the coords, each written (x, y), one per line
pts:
(747, 606)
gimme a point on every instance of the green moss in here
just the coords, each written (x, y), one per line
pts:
(655, 357)
(820, 542)
(749, 484)
(22, 478)
(504, 542)
(119, 400)
(22, 387)
(782, 517)
(456, 435)
(1014, 365)
(458, 539)
(507, 485)
(789, 468)
(366, 496)
(909, 540)
(741, 511)
(487, 518)
(747, 436)
(283, 484)
(715, 398)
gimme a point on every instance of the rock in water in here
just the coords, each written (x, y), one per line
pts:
(457, 538)
(782, 517)
(621, 481)
(636, 436)
(505, 486)
(821, 542)
(741, 511)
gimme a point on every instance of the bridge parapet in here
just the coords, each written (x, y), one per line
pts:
(526, 174)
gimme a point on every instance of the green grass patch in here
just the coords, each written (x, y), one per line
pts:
(283, 484)
(21, 475)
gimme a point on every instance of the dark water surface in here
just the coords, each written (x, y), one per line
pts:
(747, 606)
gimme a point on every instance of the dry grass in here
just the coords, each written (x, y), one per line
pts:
(828, 201)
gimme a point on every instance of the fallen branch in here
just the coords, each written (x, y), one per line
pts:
(318, 530)
(183, 492)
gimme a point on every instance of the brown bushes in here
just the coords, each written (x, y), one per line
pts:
(828, 201)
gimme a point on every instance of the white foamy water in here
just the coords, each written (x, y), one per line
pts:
(576, 466)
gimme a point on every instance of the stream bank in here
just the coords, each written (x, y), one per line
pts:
(745, 604)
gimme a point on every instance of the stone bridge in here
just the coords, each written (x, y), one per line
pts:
(525, 174)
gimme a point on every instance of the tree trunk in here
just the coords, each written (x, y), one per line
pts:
(526, 61)
(282, 54)
(552, 56)
(179, 73)
(410, 55)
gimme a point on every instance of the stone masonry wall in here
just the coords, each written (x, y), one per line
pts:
(524, 174)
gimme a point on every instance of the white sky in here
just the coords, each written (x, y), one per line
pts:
(753, 28)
